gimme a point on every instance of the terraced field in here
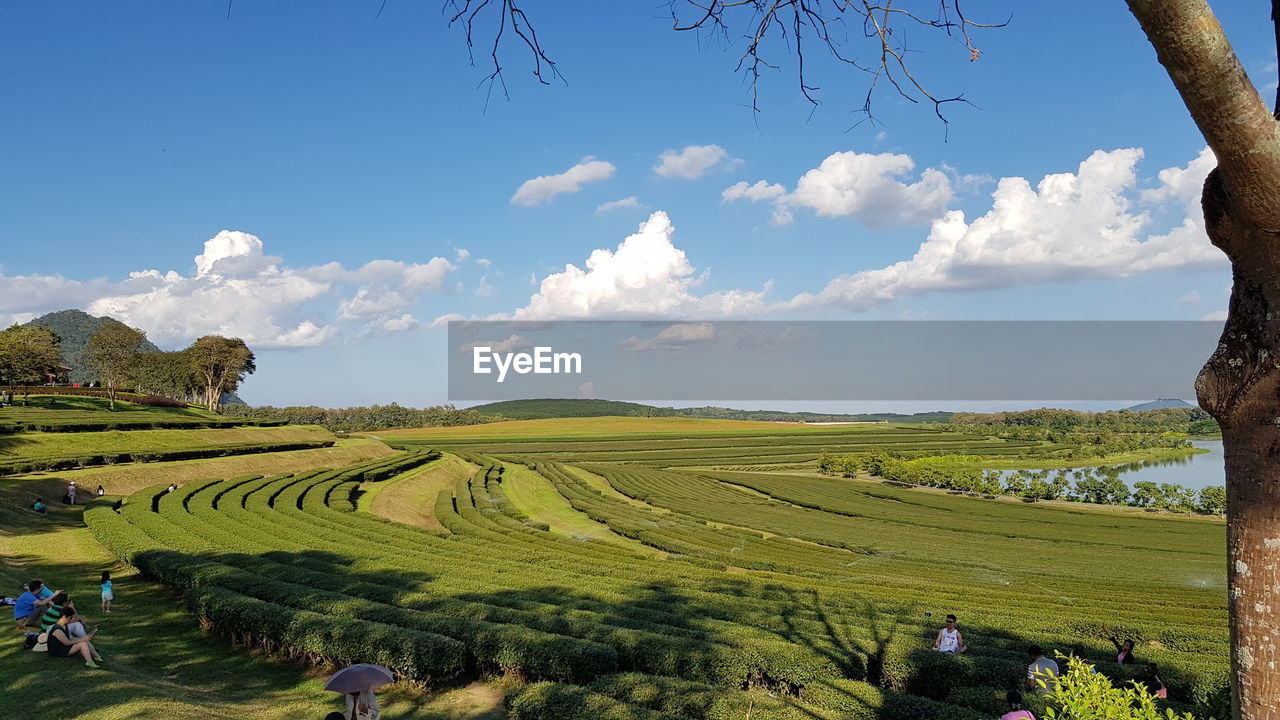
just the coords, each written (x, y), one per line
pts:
(71, 413)
(679, 442)
(623, 590)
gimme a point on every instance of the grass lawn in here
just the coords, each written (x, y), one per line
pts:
(160, 665)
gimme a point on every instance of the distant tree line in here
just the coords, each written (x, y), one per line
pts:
(1093, 485)
(1189, 420)
(201, 373)
(356, 419)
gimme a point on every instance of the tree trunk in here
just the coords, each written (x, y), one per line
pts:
(1240, 387)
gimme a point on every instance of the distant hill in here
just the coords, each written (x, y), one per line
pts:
(75, 327)
(551, 408)
(559, 408)
(1161, 404)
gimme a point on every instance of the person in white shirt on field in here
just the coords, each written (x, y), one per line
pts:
(949, 638)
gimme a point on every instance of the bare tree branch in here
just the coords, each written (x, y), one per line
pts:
(467, 12)
(804, 24)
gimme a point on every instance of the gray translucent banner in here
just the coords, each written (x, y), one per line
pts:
(816, 360)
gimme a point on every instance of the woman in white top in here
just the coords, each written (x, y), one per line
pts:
(949, 638)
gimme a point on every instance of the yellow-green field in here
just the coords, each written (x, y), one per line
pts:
(603, 426)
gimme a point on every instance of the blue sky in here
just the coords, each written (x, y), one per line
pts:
(330, 139)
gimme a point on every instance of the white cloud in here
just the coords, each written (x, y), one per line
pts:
(673, 337)
(1071, 225)
(510, 345)
(692, 162)
(623, 204)
(587, 391)
(236, 289)
(1092, 223)
(540, 190)
(484, 262)
(762, 190)
(401, 324)
(1190, 298)
(645, 276)
(1219, 315)
(460, 255)
(869, 188)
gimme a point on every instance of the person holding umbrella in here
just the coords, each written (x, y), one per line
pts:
(357, 684)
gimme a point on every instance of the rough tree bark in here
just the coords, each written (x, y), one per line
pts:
(1240, 384)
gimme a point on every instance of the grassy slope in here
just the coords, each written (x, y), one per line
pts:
(45, 444)
(536, 497)
(37, 403)
(160, 665)
(410, 497)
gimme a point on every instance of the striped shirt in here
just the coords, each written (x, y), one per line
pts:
(50, 617)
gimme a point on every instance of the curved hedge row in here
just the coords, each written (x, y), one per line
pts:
(820, 626)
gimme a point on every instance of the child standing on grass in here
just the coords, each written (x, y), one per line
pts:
(107, 594)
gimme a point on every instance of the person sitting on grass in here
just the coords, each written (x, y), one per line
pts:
(39, 506)
(949, 638)
(75, 626)
(1014, 698)
(56, 605)
(42, 597)
(61, 644)
(31, 604)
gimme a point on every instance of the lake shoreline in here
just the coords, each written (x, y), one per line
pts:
(1117, 459)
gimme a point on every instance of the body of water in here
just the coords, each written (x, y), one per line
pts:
(1190, 471)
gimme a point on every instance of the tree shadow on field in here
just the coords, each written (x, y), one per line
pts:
(17, 496)
(10, 443)
(385, 574)
(794, 640)
(157, 658)
(889, 649)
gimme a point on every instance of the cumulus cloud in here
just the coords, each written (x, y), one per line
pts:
(238, 289)
(1070, 225)
(540, 190)
(512, 344)
(460, 255)
(1218, 315)
(1190, 298)
(484, 262)
(870, 188)
(673, 337)
(645, 276)
(691, 163)
(762, 190)
(625, 203)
